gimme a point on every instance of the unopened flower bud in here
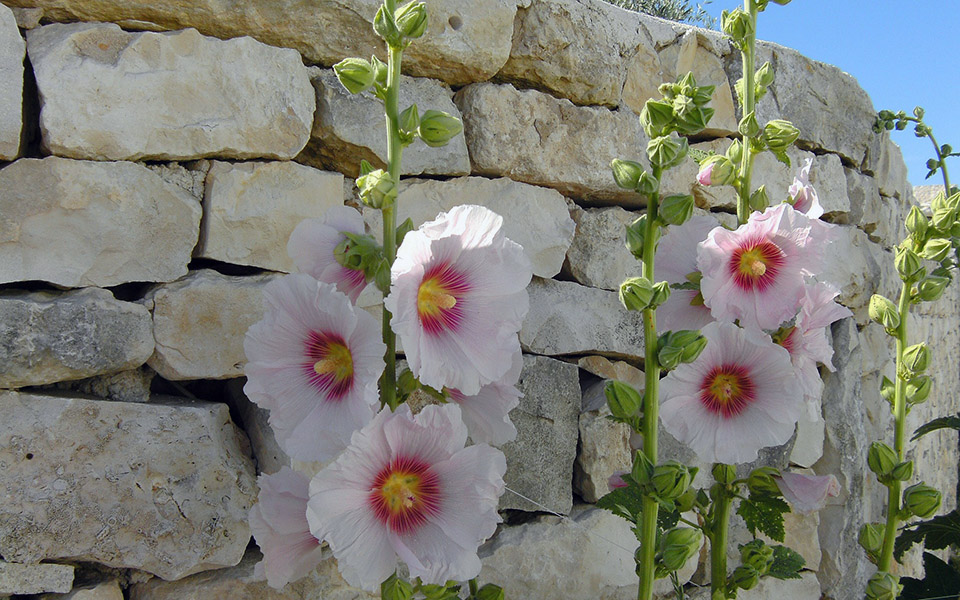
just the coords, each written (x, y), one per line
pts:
(437, 128)
(412, 20)
(635, 236)
(656, 117)
(385, 25)
(871, 537)
(903, 471)
(761, 480)
(723, 473)
(916, 358)
(623, 399)
(908, 265)
(735, 152)
(932, 288)
(881, 459)
(377, 188)
(883, 586)
(780, 134)
(921, 500)
(636, 293)
(409, 120)
(380, 70)
(666, 151)
(745, 577)
(759, 201)
(693, 119)
(936, 249)
(764, 75)
(918, 389)
(677, 546)
(676, 209)
(678, 347)
(749, 127)
(626, 173)
(884, 312)
(737, 24)
(917, 223)
(355, 74)
(670, 480)
(648, 184)
(944, 218)
(686, 501)
(717, 170)
(758, 555)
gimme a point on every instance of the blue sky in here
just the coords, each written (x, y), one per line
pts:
(902, 53)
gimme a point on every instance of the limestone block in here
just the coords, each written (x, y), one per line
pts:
(604, 448)
(235, 98)
(28, 18)
(534, 217)
(160, 487)
(568, 318)
(34, 579)
(266, 451)
(12, 48)
(540, 460)
(189, 176)
(125, 386)
(351, 127)
(865, 270)
(808, 447)
(46, 337)
(108, 590)
(81, 223)
(891, 170)
(250, 209)
(533, 137)
(199, 323)
(598, 256)
(607, 369)
(881, 217)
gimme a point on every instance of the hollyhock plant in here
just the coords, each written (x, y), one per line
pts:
(312, 245)
(803, 195)
(458, 298)
(807, 493)
(675, 263)
(407, 488)
(279, 524)
(739, 396)
(314, 361)
(487, 413)
(756, 273)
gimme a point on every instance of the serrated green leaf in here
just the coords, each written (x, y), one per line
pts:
(394, 588)
(940, 580)
(764, 513)
(936, 534)
(667, 519)
(786, 563)
(952, 422)
(625, 502)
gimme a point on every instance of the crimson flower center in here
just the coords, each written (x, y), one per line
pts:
(329, 366)
(404, 494)
(727, 390)
(440, 299)
(755, 264)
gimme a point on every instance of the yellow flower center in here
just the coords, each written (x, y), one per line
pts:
(338, 361)
(752, 263)
(400, 491)
(725, 388)
(432, 297)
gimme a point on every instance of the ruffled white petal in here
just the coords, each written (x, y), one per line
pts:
(312, 245)
(807, 493)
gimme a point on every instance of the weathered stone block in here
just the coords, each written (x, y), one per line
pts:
(263, 442)
(12, 48)
(604, 447)
(34, 579)
(234, 98)
(108, 590)
(598, 256)
(81, 223)
(45, 337)
(125, 386)
(164, 488)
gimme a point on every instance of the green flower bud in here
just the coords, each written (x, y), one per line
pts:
(355, 74)
(670, 480)
(884, 312)
(944, 218)
(358, 252)
(917, 223)
(642, 469)
(888, 390)
(761, 480)
(648, 184)
(385, 25)
(871, 537)
(764, 75)
(737, 24)
(908, 265)
(676, 209)
(635, 236)
(932, 288)
(656, 117)
(759, 201)
(668, 90)
(883, 586)
(377, 188)
(437, 128)
(916, 358)
(666, 151)
(636, 293)
(749, 127)
(412, 20)
(881, 459)
(661, 292)
(677, 347)
(921, 500)
(626, 173)
(723, 473)
(693, 119)
(936, 249)
(380, 70)
(686, 501)
(780, 134)
(903, 471)
(410, 119)
(758, 555)
(918, 389)
(623, 399)
(677, 546)
(717, 170)
(735, 152)
(744, 577)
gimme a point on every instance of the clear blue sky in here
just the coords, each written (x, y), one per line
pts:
(902, 53)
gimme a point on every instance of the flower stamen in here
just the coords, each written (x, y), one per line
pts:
(727, 390)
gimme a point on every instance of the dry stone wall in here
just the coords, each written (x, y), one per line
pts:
(160, 153)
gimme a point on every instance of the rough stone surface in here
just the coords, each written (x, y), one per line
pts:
(164, 488)
(125, 386)
(808, 447)
(567, 318)
(27, 18)
(189, 176)
(603, 449)
(263, 442)
(608, 369)
(540, 460)
(533, 137)
(534, 217)
(250, 209)
(199, 323)
(237, 98)
(350, 127)
(239, 583)
(34, 579)
(598, 257)
(108, 590)
(12, 48)
(81, 223)
(46, 337)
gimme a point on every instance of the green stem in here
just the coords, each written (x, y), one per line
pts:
(718, 547)
(899, 423)
(473, 587)
(748, 59)
(651, 402)
(388, 383)
(943, 164)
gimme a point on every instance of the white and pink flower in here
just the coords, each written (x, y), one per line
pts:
(676, 263)
(756, 274)
(312, 245)
(740, 395)
(407, 488)
(803, 194)
(807, 493)
(487, 413)
(279, 524)
(458, 299)
(314, 362)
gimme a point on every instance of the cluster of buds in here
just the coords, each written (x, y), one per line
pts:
(639, 293)
(676, 547)
(756, 558)
(884, 586)
(678, 347)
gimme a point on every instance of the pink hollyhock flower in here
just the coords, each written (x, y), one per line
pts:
(314, 363)
(312, 246)
(703, 177)
(616, 480)
(675, 262)
(279, 524)
(807, 493)
(804, 195)
(756, 273)
(458, 298)
(740, 395)
(406, 487)
(487, 413)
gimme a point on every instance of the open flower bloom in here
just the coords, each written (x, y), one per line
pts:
(279, 524)
(314, 362)
(406, 487)
(740, 395)
(458, 299)
(756, 273)
(807, 493)
(676, 262)
(487, 413)
(804, 195)
(312, 246)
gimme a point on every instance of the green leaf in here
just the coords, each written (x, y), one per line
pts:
(940, 580)
(935, 534)
(394, 588)
(952, 422)
(764, 513)
(625, 502)
(786, 563)
(667, 519)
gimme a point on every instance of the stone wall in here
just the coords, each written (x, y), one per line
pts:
(158, 161)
